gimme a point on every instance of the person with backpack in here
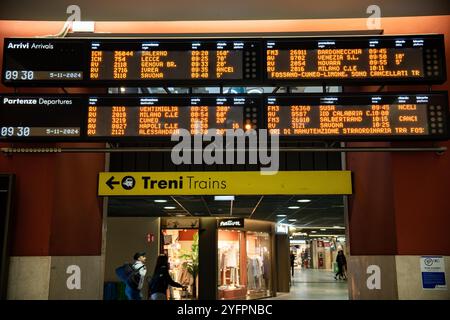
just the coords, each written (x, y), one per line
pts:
(135, 280)
(161, 280)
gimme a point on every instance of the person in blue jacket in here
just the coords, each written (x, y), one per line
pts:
(139, 266)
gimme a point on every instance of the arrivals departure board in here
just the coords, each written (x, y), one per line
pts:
(383, 116)
(107, 62)
(26, 118)
(159, 116)
(228, 61)
(356, 59)
(123, 117)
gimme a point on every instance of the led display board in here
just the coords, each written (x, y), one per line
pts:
(383, 116)
(376, 59)
(229, 61)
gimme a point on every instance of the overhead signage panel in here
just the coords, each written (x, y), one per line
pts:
(233, 61)
(103, 62)
(223, 183)
(384, 116)
(365, 59)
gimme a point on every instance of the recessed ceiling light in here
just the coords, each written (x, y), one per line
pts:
(337, 227)
(293, 207)
(292, 219)
(170, 208)
(160, 201)
(223, 198)
(314, 231)
(323, 229)
(281, 215)
(181, 215)
(122, 89)
(303, 200)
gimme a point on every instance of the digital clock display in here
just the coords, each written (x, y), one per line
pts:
(24, 117)
(224, 61)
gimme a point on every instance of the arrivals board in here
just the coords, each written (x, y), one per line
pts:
(107, 62)
(229, 61)
(382, 59)
(383, 116)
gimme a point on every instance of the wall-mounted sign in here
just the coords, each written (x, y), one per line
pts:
(169, 62)
(121, 118)
(224, 183)
(230, 223)
(103, 62)
(282, 228)
(355, 59)
(433, 273)
(383, 116)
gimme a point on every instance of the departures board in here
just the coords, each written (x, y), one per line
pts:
(116, 118)
(122, 117)
(241, 61)
(345, 117)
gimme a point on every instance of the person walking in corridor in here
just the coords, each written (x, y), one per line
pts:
(292, 257)
(161, 280)
(134, 285)
(342, 266)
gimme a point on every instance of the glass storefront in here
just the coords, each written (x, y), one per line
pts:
(244, 259)
(181, 246)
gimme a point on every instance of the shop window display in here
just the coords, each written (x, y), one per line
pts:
(258, 265)
(244, 265)
(178, 246)
(231, 277)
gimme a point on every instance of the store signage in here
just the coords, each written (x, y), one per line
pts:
(433, 273)
(282, 228)
(231, 223)
(224, 183)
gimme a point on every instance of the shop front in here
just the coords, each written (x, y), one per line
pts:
(245, 259)
(179, 241)
(243, 255)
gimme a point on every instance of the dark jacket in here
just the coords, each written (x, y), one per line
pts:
(341, 261)
(292, 257)
(161, 281)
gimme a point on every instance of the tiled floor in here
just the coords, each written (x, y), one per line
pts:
(311, 284)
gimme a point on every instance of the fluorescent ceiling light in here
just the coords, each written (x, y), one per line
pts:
(304, 200)
(314, 231)
(281, 215)
(160, 201)
(323, 229)
(169, 208)
(224, 198)
(181, 215)
(293, 207)
(292, 219)
(337, 227)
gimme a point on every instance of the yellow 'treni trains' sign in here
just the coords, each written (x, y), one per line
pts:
(223, 183)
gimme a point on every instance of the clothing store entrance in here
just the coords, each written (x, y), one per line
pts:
(236, 247)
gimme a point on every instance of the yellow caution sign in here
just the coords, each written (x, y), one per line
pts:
(223, 183)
